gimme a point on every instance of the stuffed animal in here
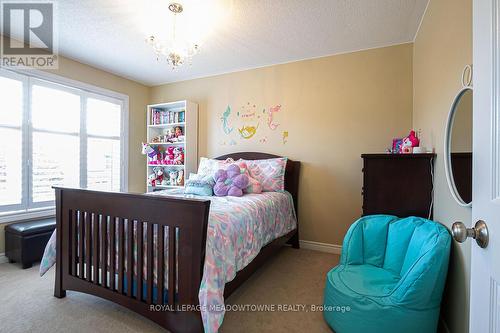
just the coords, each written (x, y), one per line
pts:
(180, 178)
(169, 156)
(409, 143)
(152, 179)
(159, 175)
(151, 152)
(230, 182)
(173, 178)
(178, 155)
(148, 150)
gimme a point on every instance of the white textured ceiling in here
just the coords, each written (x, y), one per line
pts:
(243, 34)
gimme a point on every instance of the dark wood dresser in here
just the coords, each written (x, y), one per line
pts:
(398, 184)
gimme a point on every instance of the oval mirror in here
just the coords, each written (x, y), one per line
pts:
(458, 147)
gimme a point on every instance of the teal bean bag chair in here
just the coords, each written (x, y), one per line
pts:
(390, 278)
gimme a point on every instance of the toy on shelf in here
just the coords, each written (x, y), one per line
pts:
(180, 178)
(175, 135)
(169, 156)
(178, 156)
(172, 135)
(158, 177)
(158, 171)
(152, 180)
(151, 152)
(172, 180)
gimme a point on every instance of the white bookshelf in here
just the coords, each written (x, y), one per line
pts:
(157, 128)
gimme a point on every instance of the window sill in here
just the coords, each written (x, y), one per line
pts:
(27, 215)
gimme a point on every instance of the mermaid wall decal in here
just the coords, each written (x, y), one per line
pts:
(247, 132)
(270, 117)
(225, 121)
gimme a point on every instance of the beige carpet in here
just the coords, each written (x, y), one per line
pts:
(290, 277)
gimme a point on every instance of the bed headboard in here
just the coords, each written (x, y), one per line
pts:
(292, 171)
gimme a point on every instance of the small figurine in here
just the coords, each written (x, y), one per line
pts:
(173, 178)
(168, 136)
(180, 178)
(178, 131)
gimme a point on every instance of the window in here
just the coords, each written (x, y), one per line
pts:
(55, 134)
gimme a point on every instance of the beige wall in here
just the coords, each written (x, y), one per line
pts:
(138, 99)
(442, 48)
(334, 108)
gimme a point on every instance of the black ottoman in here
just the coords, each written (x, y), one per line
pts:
(25, 241)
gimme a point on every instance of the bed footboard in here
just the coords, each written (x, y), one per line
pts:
(88, 222)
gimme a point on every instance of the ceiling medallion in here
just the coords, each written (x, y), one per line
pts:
(176, 52)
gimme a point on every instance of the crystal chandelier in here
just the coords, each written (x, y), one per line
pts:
(176, 52)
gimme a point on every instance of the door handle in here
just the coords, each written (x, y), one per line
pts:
(479, 232)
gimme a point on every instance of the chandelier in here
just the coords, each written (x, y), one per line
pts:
(176, 52)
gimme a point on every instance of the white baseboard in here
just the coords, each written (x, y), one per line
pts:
(321, 247)
(3, 258)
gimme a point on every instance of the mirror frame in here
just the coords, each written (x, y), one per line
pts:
(447, 148)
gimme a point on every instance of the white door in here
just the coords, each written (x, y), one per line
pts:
(485, 265)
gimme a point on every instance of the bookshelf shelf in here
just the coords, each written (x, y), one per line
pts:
(166, 143)
(167, 125)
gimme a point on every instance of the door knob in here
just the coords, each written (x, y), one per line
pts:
(479, 232)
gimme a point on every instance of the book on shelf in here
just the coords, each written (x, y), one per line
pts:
(165, 117)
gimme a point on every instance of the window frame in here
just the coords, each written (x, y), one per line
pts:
(30, 77)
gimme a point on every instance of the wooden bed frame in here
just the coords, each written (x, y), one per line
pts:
(184, 221)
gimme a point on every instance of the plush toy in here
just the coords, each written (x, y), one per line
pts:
(152, 179)
(230, 182)
(409, 143)
(169, 156)
(148, 150)
(159, 175)
(151, 152)
(180, 178)
(173, 178)
(178, 155)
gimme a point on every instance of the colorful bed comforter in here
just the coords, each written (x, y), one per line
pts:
(237, 229)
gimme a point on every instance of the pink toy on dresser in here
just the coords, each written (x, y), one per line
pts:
(410, 142)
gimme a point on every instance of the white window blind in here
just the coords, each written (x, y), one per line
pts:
(53, 134)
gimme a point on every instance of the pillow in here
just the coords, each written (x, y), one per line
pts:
(209, 166)
(269, 173)
(199, 185)
(230, 182)
(253, 184)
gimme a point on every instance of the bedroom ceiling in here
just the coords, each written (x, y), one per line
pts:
(236, 34)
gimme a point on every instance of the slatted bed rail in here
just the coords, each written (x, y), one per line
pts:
(105, 239)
